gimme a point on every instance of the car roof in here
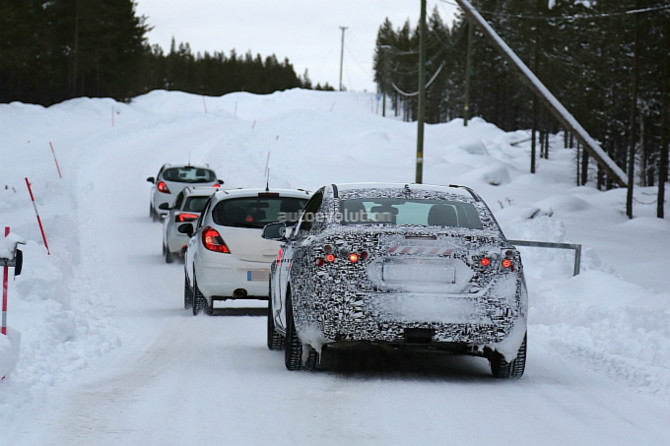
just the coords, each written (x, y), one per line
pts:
(224, 194)
(196, 166)
(204, 191)
(449, 189)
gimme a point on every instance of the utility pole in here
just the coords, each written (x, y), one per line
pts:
(343, 28)
(468, 73)
(422, 93)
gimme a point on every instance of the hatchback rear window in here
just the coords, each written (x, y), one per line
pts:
(256, 212)
(195, 204)
(189, 174)
(395, 211)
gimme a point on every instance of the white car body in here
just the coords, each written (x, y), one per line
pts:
(187, 207)
(171, 179)
(242, 272)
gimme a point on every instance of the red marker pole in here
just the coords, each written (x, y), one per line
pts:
(39, 221)
(5, 279)
(56, 160)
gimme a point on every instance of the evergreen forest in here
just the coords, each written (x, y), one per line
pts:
(607, 61)
(59, 49)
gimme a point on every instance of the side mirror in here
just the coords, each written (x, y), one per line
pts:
(151, 180)
(219, 181)
(164, 206)
(18, 262)
(275, 231)
(186, 228)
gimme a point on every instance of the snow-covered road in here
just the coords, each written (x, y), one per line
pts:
(147, 372)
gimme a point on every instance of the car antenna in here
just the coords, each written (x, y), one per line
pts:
(267, 173)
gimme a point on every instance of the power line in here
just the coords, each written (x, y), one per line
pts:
(572, 17)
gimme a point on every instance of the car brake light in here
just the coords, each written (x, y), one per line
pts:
(280, 254)
(216, 185)
(330, 258)
(181, 218)
(353, 257)
(506, 263)
(213, 241)
(485, 261)
(162, 187)
(318, 261)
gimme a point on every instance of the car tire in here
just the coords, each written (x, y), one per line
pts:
(514, 369)
(209, 308)
(155, 216)
(293, 351)
(188, 294)
(274, 339)
(168, 255)
(198, 299)
(151, 211)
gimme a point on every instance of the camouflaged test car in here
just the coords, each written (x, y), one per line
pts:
(406, 265)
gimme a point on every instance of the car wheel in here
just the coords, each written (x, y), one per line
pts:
(293, 352)
(209, 308)
(155, 216)
(188, 294)
(275, 340)
(151, 211)
(168, 255)
(198, 299)
(500, 368)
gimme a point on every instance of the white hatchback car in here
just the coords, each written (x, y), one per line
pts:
(226, 257)
(187, 207)
(171, 179)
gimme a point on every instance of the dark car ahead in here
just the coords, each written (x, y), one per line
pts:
(409, 265)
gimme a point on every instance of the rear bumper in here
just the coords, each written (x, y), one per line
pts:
(485, 318)
(236, 279)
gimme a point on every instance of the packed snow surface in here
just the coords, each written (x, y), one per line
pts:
(109, 356)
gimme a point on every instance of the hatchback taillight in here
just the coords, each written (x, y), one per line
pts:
(162, 187)
(184, 217)
(213, 241)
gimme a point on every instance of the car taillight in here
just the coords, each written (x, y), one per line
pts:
(162, 187)
(507, 262)
(184, 217)
(216, 185)
(213, 241)
(330, 257)
(280, 254)
(485, 261)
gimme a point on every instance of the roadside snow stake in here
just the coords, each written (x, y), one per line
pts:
(55, 160)
(39, 221)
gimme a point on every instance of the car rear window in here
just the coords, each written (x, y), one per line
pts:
(256, 212)
(196, 204)
(189, 174)
(420, 212)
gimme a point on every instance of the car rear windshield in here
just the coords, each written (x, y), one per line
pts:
(396, 211)
(196, 204)
(256, 212)
(189, 174)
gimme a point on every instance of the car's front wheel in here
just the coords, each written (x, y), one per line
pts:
(500, 368)
(188, 294)
(275, 340)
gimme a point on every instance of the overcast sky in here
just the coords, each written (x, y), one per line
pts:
(307, 32)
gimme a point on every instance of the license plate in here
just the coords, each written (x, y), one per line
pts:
(258, 275)
(425, 273)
